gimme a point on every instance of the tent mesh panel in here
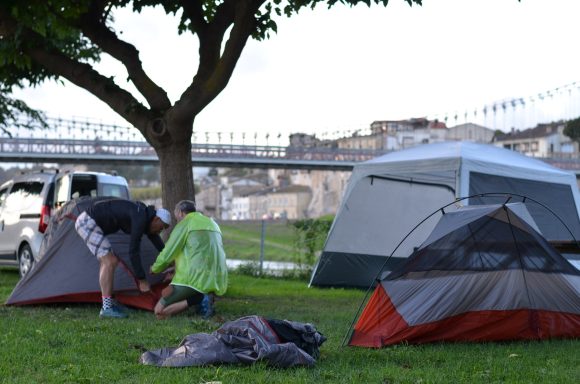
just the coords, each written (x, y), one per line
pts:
(490, 243)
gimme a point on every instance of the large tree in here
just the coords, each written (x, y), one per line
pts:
(55, 39)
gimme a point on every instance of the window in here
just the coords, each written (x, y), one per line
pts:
(25, 196)
(114, 190)
(83, 185)
(62, 190)
(525, 147)
(3, 193)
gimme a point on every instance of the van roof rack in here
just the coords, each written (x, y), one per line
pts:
(41, 170)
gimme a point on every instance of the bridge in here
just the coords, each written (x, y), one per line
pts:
(66, 151)
(88, 141)
(67, 141)
(90, 151)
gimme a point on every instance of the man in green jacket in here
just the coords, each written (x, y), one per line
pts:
(195, 248)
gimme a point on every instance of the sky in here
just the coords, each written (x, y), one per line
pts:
(338, 70)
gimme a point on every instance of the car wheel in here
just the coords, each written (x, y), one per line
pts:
(25, 259)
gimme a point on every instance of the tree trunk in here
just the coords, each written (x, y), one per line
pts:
(176, 173)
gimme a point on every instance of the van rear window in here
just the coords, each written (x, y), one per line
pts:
(25, 196)
(114, 190)
(27, 188)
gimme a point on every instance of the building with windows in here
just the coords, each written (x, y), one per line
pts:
(545, 140)
(289, 203)
(393, 135)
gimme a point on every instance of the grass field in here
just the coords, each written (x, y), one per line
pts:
(70, 344)
(242, 240)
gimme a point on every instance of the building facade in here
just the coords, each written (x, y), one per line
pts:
(470, 132)
(545, 140)
(297, 194)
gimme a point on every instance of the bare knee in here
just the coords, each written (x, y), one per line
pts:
(109, 260)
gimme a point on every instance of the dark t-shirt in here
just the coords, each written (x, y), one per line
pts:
(131, 217)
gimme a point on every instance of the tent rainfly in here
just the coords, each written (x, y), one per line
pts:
(68, 272)
(483, 274)
(387, 196)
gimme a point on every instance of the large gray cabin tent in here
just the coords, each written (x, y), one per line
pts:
(388, 196)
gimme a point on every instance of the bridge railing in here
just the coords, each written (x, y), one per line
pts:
(45, 150)
(88, 148)
(70, 146)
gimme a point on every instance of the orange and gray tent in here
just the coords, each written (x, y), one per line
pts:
(485, 273)
(68, 272)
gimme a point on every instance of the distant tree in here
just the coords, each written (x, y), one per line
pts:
(212, 172)
(61, 39)
(572, 129)
(133, 173)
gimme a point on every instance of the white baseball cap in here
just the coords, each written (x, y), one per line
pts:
(164, 215)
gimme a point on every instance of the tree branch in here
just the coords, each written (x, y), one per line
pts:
(193, 11)
(244, 25)
(83, 75)
(93, 26)
(86, 77)
(215, 71)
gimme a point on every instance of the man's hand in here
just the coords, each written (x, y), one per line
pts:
(144, 286)
(169, 273)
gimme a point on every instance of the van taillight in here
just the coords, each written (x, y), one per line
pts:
(44, 218)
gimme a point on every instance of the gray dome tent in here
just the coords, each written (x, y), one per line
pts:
(68, 272)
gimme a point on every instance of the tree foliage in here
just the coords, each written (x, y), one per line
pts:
(16, 113)
(44, 40)
(311, 235)
(572, 129)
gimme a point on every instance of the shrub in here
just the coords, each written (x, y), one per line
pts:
(147, 193)
(311, 235)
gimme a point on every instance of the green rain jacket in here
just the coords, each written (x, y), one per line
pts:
(195, 245)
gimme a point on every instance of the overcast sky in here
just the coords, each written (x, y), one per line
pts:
(341, 69)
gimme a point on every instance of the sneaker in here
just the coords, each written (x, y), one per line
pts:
(120, 306)
(205, 308)
(113, 312)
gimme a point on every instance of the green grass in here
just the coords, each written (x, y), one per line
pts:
(242, 240)
(70, 344)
